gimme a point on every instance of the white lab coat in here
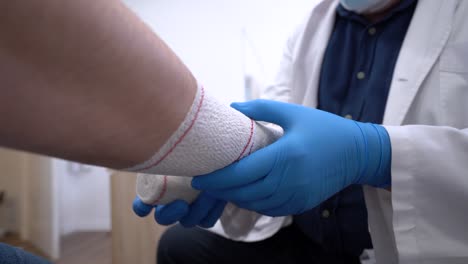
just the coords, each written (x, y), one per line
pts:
(423, 219)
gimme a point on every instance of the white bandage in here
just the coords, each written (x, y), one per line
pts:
(161, 189)
(211, 137)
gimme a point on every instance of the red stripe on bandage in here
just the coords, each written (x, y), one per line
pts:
(251, 147)
(181, 137)
(248, 142)
(163, 191)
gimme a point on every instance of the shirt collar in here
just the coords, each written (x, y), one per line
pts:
(402, 6)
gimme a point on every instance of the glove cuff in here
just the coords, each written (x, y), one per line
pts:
(377, 156)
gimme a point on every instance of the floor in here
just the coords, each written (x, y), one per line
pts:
(86, 247)
(82, 247)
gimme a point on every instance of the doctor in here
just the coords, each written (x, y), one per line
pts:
(414, 167)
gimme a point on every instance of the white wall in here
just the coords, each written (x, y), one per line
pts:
(208, 36)
(84, 197)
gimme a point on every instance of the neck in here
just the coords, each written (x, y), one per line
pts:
(376, 16)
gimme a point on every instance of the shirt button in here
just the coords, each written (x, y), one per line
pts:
(325, 213)
(348, 116)
(372, 31)
(361, 75)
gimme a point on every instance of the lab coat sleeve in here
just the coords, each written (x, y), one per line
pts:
(430, 193)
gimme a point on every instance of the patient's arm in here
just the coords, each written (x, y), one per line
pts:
(87, 81)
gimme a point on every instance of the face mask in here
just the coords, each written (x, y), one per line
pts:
(365, 6)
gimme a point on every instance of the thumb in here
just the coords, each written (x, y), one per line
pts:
(269, 111)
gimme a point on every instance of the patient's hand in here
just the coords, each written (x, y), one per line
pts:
(203, 212)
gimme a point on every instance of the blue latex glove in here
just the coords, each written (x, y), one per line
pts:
(319, 155)
(203, 212)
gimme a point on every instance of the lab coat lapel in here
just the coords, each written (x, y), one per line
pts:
(426, 37)
(312, 52)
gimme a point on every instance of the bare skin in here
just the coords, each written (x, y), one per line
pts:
(87, 81)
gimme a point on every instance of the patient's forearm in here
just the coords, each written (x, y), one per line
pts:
(87, 81)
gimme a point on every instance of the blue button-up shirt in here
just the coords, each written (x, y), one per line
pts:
(355, 79)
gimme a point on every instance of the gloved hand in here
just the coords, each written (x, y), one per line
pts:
(203, 212)
(319, 155)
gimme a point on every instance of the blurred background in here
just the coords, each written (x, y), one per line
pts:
(74, 213)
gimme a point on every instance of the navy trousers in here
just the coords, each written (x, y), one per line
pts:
(12, 255)
(289, 246)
